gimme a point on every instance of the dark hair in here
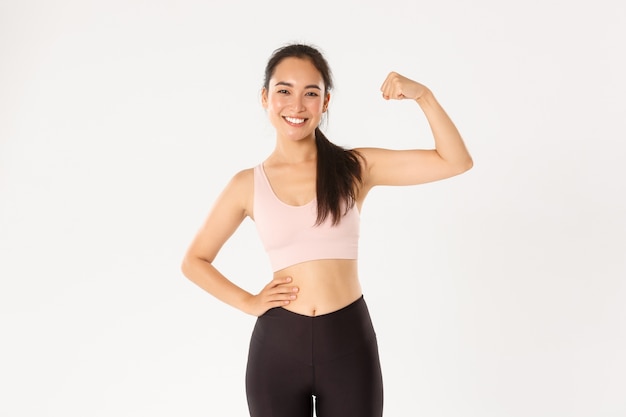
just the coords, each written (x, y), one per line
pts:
(338, 169)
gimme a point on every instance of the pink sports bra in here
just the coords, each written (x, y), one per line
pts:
(289, 234)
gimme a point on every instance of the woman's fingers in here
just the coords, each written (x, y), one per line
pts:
(276, 282)
(277, 293)
(398, 87)
(280, 290)
(393, 86)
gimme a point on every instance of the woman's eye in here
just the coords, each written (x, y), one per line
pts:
(311, 94)
(282, 91)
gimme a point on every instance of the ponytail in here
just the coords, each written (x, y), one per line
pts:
(338, 178)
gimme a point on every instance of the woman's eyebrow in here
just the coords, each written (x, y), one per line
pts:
(291, 85)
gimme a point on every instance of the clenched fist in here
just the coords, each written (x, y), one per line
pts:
(398, 87)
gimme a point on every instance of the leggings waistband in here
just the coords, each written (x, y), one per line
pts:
(280, 311)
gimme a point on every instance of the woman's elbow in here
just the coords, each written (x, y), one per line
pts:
(463, 166)
(192, 263)
(186, 266)
(469, 164)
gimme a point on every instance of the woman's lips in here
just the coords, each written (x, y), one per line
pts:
(294, 121)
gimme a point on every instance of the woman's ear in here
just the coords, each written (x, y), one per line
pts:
(326, 100)
(264, 98)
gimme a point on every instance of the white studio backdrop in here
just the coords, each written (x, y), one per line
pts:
(496, 293)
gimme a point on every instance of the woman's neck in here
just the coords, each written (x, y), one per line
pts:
(294, 152)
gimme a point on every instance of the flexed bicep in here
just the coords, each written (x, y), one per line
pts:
(403, 167)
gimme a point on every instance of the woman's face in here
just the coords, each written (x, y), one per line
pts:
(295, 100)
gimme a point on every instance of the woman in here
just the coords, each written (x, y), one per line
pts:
(313, 343)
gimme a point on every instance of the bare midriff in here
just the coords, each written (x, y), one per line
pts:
(324, 285)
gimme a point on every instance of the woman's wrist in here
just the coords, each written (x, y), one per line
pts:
(427, 98)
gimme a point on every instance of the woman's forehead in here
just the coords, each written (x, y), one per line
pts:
(297, 71)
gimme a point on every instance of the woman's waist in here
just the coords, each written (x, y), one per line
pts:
(324, 286)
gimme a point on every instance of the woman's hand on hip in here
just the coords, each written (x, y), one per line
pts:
(277, 293)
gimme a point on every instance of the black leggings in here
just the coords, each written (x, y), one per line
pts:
(333, 358)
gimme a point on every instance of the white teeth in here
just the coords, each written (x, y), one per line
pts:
(294, 120)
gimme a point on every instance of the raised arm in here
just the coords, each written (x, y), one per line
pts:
(229, 210)
(415, 166)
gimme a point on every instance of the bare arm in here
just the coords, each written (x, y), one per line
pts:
(415, 166)
(229, 210)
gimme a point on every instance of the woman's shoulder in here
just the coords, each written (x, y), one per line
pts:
(243, 178)
(242, 182)
(239, 190)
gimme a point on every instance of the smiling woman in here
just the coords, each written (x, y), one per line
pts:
(297, 93)
(314, 339)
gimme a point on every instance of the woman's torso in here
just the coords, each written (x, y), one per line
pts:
(324, 285)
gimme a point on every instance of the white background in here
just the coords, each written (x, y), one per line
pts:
(500, 292)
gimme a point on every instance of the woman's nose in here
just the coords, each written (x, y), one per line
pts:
(298, 104)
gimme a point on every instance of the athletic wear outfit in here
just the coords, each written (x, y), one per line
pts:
(289, 234)
(294, 358)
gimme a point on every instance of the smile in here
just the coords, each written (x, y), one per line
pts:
(294, 120)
